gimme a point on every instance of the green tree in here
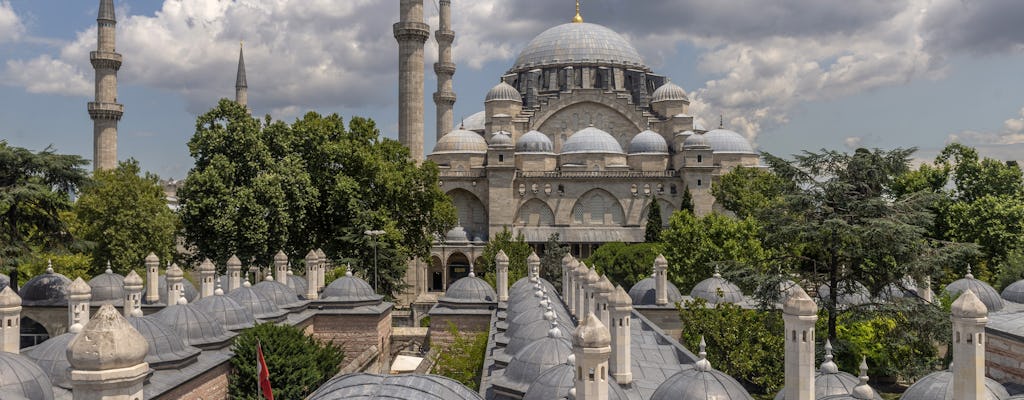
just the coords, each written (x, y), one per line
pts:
(1010, 270)
(695, 246)
(298, 363)
(749, 192)
(653, 231)
(517, 251)
(974, 178)
(463, 360)
(625, 264)
(71, 265)
(34, 190)
(126, 216)
(551, 262)
(686, 202)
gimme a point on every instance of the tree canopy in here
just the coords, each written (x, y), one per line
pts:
(551, 261)
(652, 232)
(625, 264)
(298, 363)
(515, 248)
(695, 246)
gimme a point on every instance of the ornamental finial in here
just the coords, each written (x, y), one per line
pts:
(578, 18)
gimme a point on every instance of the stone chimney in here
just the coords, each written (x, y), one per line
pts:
(591, 345)
(152, 279)
(603, 291)
(207, 273)
(579, 292)
(281, 267)
(570, 286)
(501, 265)
(533, 263)
(10, 321)
(108, 359)
(79, 294)
(566, 268)
(175, 289)
(132, 293)
(799, 313)
(660, 280)
(234, 270)
(969, 316)
(321, 269)
(312, 264)
(589, 297)
(621, 309)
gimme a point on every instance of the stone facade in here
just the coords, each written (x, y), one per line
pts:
(212, 384)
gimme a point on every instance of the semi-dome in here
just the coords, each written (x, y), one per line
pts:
(227, 311)
(669, 92)
(578, 43)
(413, 386)
(1014, 292)
(52, 358)
(190, 290)
(648, 142)
(716, 290)
(461, 141)
(939, 386)
(350, 288)
(500, 139)
(196, 327)
(167, 350)
(591, 140)
(643, 292)
(107, 288)
(259, 305)
(695, 141)
(503, 91)
(20, 376)
(470, 289)
(277, 292)
(534, 142)
(988, 295)
(47, 289)
(726, 141)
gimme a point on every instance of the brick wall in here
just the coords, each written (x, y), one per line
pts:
(355, 333)
(438, 334)
(210, 385)
(1004, 359)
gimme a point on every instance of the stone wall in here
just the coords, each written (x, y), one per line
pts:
(210, 385)
(355, 333)
(438, 334)
(1004, 358)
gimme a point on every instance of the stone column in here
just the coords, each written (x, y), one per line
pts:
(411, 33)
(234, 270)
(108, 359)
(152, 279)
(799, 313)
(10, 321)
(570, 284)
(175, 290)
(566, 267)
(207, 273)
(591, 345)
(132, 293)
(533, 264)
(621, 310)
(312, 264)
(79, 294)
(660, 280)
(501, 266)
(281, 267)
(969, 316)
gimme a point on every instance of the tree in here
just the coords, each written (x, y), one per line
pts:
(463, 360)
(695, 246)
(625, 264)
(298, 363)
(686, 202)
(749, 192)
(517, 251)
(551, 262)
(653, 231)
(35, 189)
(126, 216)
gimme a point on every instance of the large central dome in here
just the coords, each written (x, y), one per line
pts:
(578, 43)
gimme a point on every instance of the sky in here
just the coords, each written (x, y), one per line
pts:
(790, 75)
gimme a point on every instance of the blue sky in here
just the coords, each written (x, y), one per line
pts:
(789, 74)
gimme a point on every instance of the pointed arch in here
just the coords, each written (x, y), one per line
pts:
(666, 212)
(472, 213)
(535, 213)
(596, 208)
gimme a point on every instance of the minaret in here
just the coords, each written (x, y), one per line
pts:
(799, 313)
(969, 316)
(241, 87)
(501, 265)
(444, 68)
(10, 321)
(105, 111)
(591, 344)
(411, 33)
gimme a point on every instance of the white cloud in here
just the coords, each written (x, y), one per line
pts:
(11, 27)
(1012, 134)
(47, 75)
(853, 142)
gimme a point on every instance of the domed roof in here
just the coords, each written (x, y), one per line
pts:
(643, 292)
(190, 290)
(700, 383)
(503, 91)
(537, 357)
(5, 281)
(21, 376)
(669, 92)
(534, 142)
(695, 140)
(412, 386)
(500, 139)
(854, 294)
(1014, 292)
(988, 295)
(196, 327)
(829, 380)
(648, 142)
(470, 289)
(524, 284)
(259, 305)
(716, 290)
(591, 140)
(474, 122)
(47, 289)
(726, 141)
(52, 358)
(277, 292)
(107, 288)
(107, 342)
(555, 383)
(166, 348)
(298, 284)
(456, 235)
(939, 386)
(227, 311)
(461, 141)
(350, 288)
(578, 43)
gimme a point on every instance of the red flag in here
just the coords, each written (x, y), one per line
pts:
(263, 374)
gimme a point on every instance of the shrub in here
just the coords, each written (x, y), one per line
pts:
(298, 364)
(463, 359)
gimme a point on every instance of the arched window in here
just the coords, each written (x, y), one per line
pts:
(535, 213)
(471, 212)
(597, 207)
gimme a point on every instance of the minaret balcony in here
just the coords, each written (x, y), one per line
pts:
(444, 68)
(444, 36)
(99, 110)
(444, 98)
(105, 59)
(416, 31)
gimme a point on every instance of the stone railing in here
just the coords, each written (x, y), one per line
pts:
(463, 174)
(596, 174)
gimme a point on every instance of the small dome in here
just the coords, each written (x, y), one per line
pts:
(413, 386)
(52, 358)
(939, 386)
(47, 289)
(984, 291)
(500, 139)
(643, 293)
(524, 334)
(648, 142)
(578, 44)
(591, 140)
(190, 290)
(259, 305)
(557, 381)
(227, 311)
(534, 142)
(21, 376)
(298, 284)
(196, 327)
(107, 288)
(1014, 292)
(461, 141)
(669, 92)
(167, 350)
(701, 382)
(726, 141)
(535, 358)
(591, 333)
(277, 292)
(716, 290)
(107, 342)
(503, 91)
(456, 235)
(830, 381)
(473, 122)
(350, 288)
(695, 141)
(470, 289)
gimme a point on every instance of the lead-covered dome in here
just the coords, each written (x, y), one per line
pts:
(695, 140)
(350, 288)
(277, 292)
(716, 290)
(537, 357)
(669, 92)
(369, 386)
(1014, 292)
(701, 382)
(195, 327)
(167, 350)
(48, 289)
(726, 141)
(107, 288)
(988, 295)
(534, 142)
(500, 139)
(52, 358)
(591, 140)
(227, 311)
(21, 376)
(461, 141)
(939, 386)
(470, 289)
(578, 43)
(503, 91)
(5, 281)
(259, 305)
(643, 294)
(648, 142)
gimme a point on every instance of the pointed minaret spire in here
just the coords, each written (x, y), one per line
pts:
(105, 111)
(444, 98)
(241, 87)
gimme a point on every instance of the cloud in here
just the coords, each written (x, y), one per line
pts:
(11, 27)
(1011, 134)
(47, 75)
(853, 142)
(974, 26)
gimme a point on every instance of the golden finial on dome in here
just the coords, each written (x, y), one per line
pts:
(578, 18)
